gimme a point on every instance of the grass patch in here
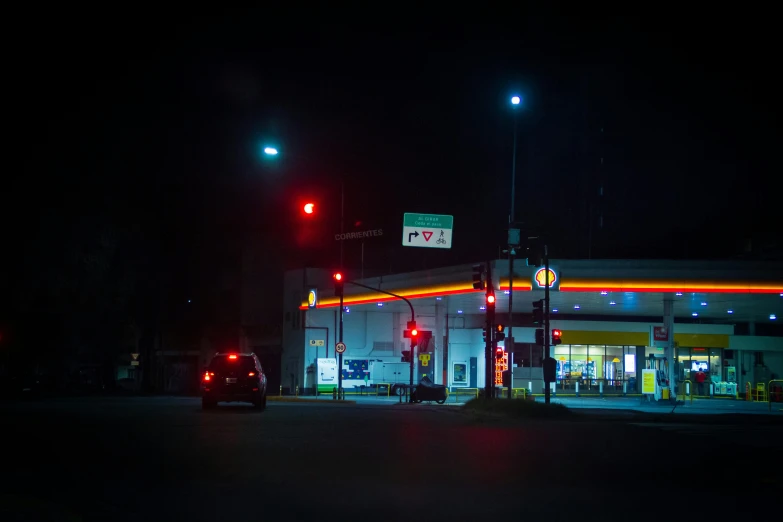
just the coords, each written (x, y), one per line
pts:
(517, 408)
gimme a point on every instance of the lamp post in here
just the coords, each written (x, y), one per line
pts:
(513, 239)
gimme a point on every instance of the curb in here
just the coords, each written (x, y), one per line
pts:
(311, 401)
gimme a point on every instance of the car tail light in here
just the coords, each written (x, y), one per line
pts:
(206, 376)
(255, 389)
(232, 356)
(251, 374)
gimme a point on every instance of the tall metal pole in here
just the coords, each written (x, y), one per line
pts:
(340, 355)
(511, 264)
(488, 355)
(342, 221)
(546, 318)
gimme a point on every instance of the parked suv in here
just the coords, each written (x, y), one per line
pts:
(234, 377)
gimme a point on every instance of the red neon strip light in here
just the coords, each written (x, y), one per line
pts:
(386, 298)
(652, 288)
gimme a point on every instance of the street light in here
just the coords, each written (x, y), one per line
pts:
(270, 151)
(515, 101)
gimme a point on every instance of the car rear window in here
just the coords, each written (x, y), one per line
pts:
(223, 363)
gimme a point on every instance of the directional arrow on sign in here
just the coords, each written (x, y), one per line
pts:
(414, 234)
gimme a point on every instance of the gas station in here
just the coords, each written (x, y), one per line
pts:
(652, 329)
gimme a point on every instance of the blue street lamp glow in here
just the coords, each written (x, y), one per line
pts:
(270, 151)
(515, 100)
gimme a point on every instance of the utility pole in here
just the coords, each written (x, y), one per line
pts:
(340, 354)
(547, 391)
(488, 353)
(513, 240)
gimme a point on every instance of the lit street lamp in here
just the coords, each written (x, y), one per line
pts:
(515, 101)
(270, 151)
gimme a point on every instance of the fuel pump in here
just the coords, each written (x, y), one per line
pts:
(662, 376)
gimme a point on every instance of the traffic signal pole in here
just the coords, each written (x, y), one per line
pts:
(340, 355)
(489, 354)
(547, 391)
(413, 318)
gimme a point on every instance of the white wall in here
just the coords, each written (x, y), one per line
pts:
(756, 343)
(464, 344)
(609, 326)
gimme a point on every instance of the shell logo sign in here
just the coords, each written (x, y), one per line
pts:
(312, 298)
(540, 278)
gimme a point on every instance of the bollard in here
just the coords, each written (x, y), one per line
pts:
(553, 387)
(577, 388)
(601, 388)
(334, 393)
(281, 390)
(712, 390)
(687, 388)
(625, 388)
(297, 391)
(530, 387)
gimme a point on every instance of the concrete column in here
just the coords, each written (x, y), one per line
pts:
(437, 338)
(668, 323)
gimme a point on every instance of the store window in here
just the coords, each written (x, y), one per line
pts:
(716, 365)
(562, 356)
(614, 371)
(580, 370)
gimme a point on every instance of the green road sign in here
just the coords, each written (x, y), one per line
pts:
(427, 230)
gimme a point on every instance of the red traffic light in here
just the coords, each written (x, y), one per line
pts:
(556, 334)
(414, 332)
(309, 208)
(491, 299)
(338, 276)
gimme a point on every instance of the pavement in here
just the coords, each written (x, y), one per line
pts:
(163, 458)
(637, 404)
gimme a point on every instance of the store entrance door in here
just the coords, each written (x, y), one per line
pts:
(473, 372)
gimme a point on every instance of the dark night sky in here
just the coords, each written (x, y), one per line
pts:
(154, 124)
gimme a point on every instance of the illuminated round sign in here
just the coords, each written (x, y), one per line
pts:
(312, 298)
(540, 278)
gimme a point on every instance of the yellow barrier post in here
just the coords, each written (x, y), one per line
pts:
(689, 388)
(769, 392)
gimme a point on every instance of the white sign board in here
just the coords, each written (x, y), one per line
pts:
(427, 230)
(327, 373)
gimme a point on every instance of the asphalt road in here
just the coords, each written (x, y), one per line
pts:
(165, 459)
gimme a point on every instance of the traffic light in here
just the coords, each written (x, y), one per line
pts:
(538, 311)
(412, 334)
(498, 353)
(309, 208)
(499, 335)
(490, 300)
(556, 334)
(406, 356)
(540, 337)
(478, 277)
(484, 331)
(338, 284)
